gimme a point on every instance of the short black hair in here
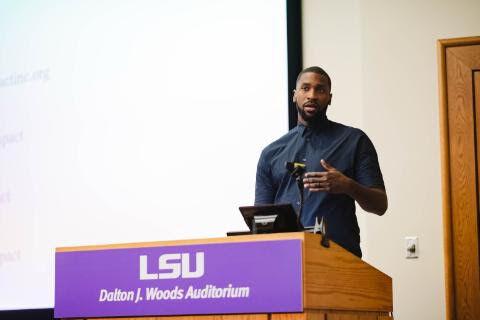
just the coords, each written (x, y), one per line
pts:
(316, 70)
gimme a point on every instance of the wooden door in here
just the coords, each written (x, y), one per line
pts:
(459, 74)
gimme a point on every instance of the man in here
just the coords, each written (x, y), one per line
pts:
(341, 163)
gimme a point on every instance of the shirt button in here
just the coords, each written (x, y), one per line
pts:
(298, 202)
(304, 159)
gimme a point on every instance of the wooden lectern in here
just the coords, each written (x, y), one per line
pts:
(336, 284)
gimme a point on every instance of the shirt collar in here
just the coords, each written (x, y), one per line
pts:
(321, 125)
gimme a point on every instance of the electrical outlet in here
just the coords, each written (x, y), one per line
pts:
(411, 247)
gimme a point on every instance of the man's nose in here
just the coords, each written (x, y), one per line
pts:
(311, 94)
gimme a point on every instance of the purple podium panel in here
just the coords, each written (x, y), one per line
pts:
(216, 278)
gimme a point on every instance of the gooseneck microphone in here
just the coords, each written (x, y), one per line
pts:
(297, 169)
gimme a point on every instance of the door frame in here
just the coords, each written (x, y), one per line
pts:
(449, 257)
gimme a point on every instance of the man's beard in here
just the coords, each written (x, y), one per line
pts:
(314, 119)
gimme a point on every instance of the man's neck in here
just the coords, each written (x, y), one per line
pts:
(317, 123)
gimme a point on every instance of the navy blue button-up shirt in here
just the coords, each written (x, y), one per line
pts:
(347, 149)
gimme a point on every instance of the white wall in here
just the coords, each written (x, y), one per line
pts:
(382, 59)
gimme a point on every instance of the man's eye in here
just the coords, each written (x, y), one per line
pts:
(305, 88)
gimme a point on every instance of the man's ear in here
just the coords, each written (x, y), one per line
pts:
(294, 98)
(330, 101)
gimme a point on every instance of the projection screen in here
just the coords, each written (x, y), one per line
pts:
(130, 121)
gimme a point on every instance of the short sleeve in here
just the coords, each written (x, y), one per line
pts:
(264, 191)
(367, 168)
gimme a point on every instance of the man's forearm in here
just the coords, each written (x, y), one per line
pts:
(372, 200)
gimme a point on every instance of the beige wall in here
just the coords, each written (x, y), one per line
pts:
(382, 59)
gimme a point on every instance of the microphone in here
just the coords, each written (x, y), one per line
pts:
(296, 168)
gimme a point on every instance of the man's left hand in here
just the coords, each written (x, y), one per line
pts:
(331, 180)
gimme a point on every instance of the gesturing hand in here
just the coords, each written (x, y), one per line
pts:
(331, 180)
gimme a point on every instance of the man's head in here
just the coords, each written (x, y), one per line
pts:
(312, 95)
